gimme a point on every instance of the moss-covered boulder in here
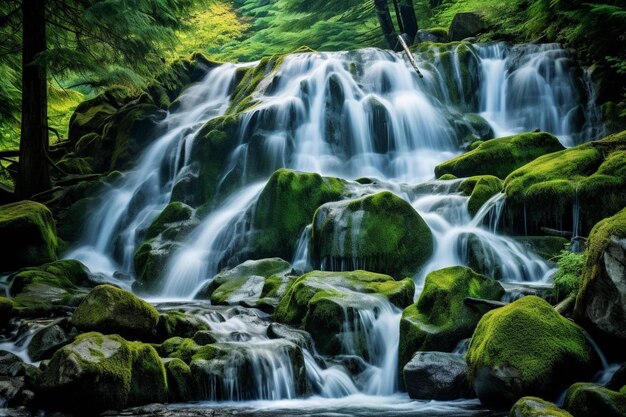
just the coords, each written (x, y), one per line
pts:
(178, 323)
(6, 310)
(527, 349)
(480, 189)
(380, 232)
(97, 373)
(162, 239)
(49, 288)
(285, 206)
(591, 400)
(536, 407)
(440, 319)
(221, 371)
(322, 302)
(91, 115)
(587, 181)
(173, 216)
(179, 348)
(108, 309)
(31, 235)
(500, 157)
(179, 382)
(249, 284)
(601, 301)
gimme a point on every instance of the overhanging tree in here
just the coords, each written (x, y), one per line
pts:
(105, 40)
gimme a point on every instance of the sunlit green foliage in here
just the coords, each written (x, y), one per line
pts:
(567, 277)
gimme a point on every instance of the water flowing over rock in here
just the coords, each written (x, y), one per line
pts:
(379, 233)
(326, 161)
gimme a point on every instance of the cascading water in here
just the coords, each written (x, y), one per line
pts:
(133, 203)
(346, 114)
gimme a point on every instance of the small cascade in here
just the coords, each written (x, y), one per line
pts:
(536, 86)
(301, 253)
(132, 203)
(198, 260)
(463, 240)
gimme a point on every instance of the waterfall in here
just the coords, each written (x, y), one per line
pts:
(351, 115)
(147, 188)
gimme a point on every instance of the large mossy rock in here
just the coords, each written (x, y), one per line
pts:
(601, 301)
(480, 189)
(162, 240)
(527, 349)
(249, 284)
(500, 157)
(97, 373)
(179, 324)
(536, 407)
(589, 179)
(30, 235)
(285, 206)
(322, 302)
(108, 309)
(591, 400)
(381, 232)
(49, 288)
(440, 319)
(222, 371)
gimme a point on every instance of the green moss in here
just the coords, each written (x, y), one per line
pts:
(590, 400)
(177, 323)
(90, 116)
(536, 407)
(75, 165)
(6, 310)
(285, 206)
(148, 377)
(499, 157)
(321, 301)
(180, 348)
(150, 261)
(49, 288)
(567, 277)
(97, 373)
(592, 175)
(178, 381)
(593, 273)
(447, 177)
(529, 339)
(480, 189)
(97, 376)
(245, 282)
(381, 232)
(111, 310)
(440, 319)
(174, 212)
(32, 233)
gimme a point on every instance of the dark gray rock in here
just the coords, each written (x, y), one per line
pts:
(428, 36)
(47, 341)
(437, 376)
(297, 337)
(10, 364)
(466, 25)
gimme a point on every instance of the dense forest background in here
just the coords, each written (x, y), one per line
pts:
(246, 30)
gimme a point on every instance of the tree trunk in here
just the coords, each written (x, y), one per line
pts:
(409, 21)
(386, 24)
(396, 8)
(34, 174)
